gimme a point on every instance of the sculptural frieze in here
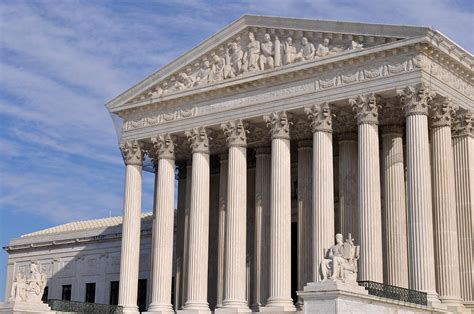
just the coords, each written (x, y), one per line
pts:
(340, 262)
(250, 52)
(29, 287)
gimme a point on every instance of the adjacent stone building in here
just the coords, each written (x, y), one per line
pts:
(282, 132)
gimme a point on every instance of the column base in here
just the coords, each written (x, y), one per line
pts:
(160, 309)
(130, 309)
(278, 305)
(229, 310)
(195, 308)
(194, 311)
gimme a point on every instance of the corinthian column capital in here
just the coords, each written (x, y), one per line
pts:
(365, 108)
(235, 133)
(415, 99)
(132, 152)
(278, 124)
(320, 117)
(163, 147)
(199, 141)
(463, 124)
(442, 112)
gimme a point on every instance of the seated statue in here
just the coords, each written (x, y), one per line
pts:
(31, 288)
(341, 261)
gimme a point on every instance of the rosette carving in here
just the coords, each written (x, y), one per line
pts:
(279, 124)
(464, 124)
(163, 147)
(235, 133)
(132, 152)
(198, 139)
(416, 99)
(443, 112)
(320, 117)
(365, 108)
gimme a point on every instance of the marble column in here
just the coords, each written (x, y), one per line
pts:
(348, 165)
(463, 147)
(394, 209)
(415, 101)
(180, 236)
(323, 185)
(262, 226)
(370, 211)
(235, 227)
(305, 215)
(444, 203)
(224, 167)
(163, 225)
(189, 171)
(130, 252)
(280, 215)
(198, 224)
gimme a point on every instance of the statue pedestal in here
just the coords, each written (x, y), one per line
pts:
(334, 296)
(20, 307)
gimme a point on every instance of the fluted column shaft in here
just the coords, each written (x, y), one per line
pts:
(370, 212)
(394, 214)
(130, 252)
(419, 197)
(444, 204)
(305, 215)
(189, 171)
(198, 223)
(463, 147)
(163, 225)
(348, 214)
(280, 215)
(180, 235)
(322, 184)
(224, 168)
(262, 222)
(236, 223)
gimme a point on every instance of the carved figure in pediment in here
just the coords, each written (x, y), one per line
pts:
(355, 45)
(217, 69)
(307, 50)
(252, 55)
(157, 92)
(202, 76)
(289, 50)
(183, 81)
(233, 62)
(266, 58)
(323, 48)
(277, 52)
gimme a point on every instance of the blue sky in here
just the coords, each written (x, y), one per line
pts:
(60, 61)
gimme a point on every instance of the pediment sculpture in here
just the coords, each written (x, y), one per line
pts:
(30, 287)
(340, 262)
(253, 51)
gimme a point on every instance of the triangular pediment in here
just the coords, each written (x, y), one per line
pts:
(254, 44)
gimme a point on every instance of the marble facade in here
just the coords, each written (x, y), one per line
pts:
(381, 101)
(338, 127)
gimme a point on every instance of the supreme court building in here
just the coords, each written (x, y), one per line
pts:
(282, 132)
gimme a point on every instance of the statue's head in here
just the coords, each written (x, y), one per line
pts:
(267, 37)
(289, 40)
(339, 238)
(206, 64)
(251, 36)
(326, 41)
(304, 41)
